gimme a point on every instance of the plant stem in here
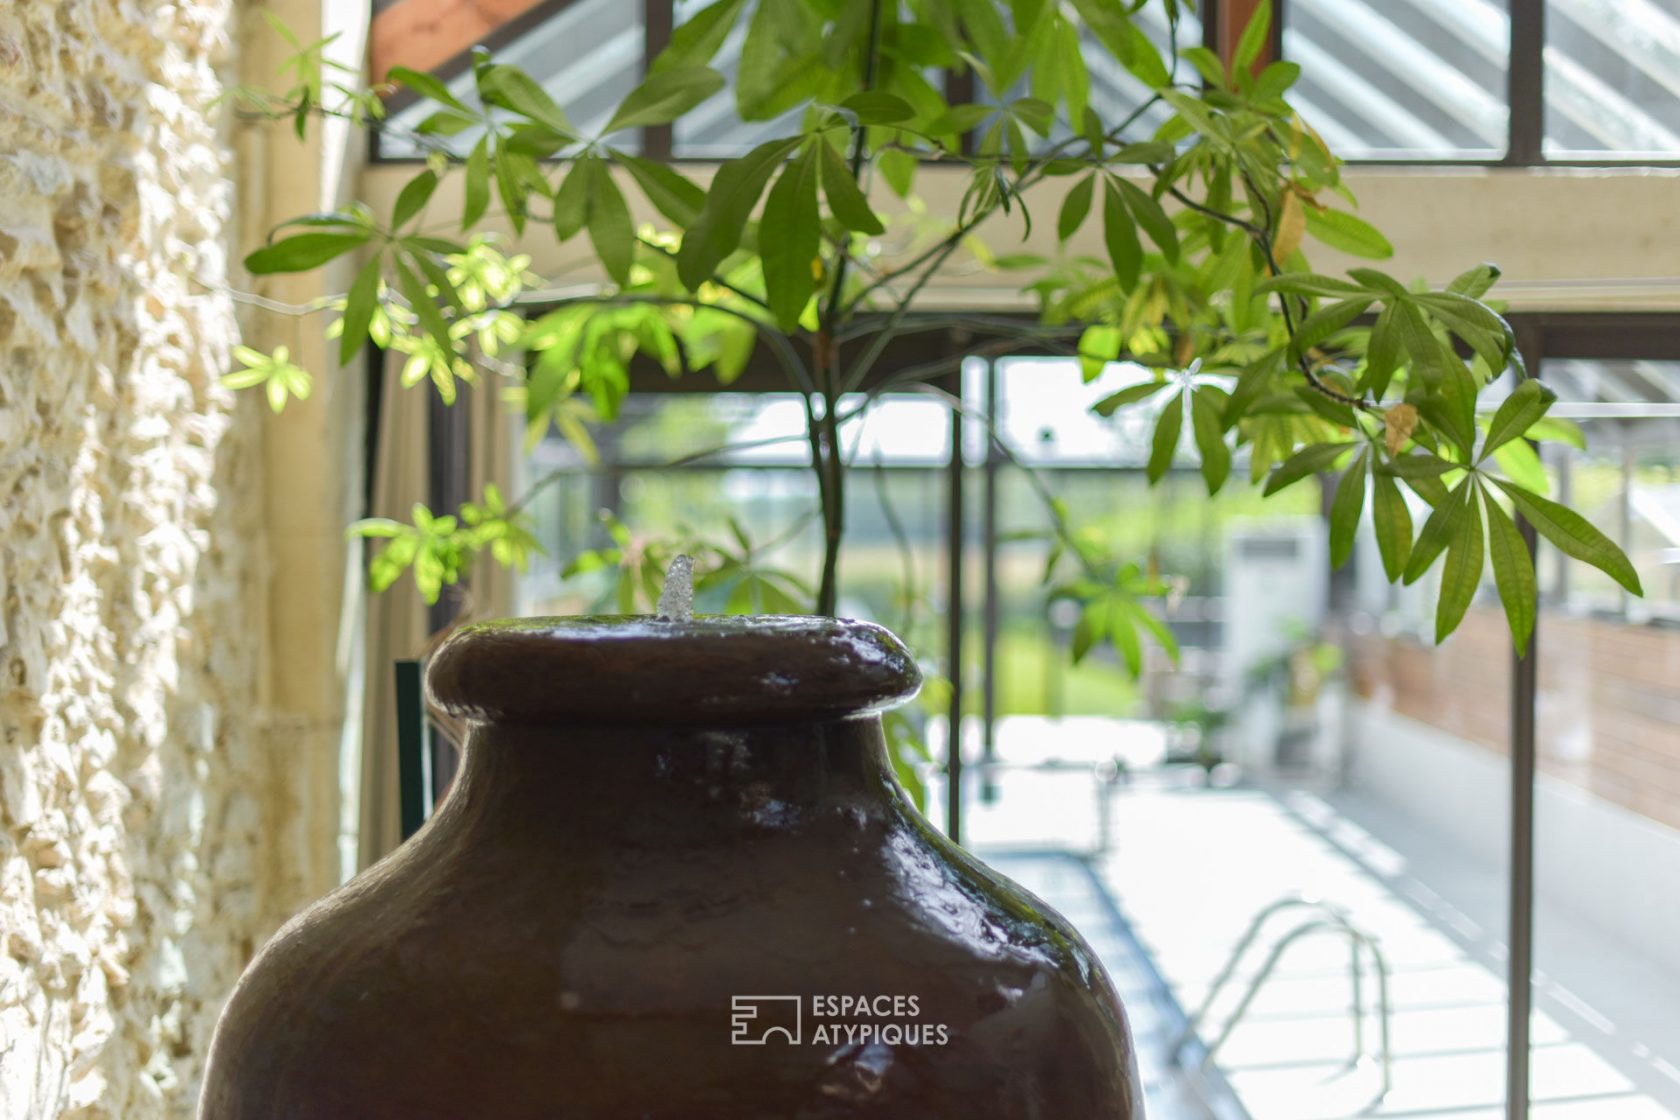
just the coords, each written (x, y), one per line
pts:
(825, 441)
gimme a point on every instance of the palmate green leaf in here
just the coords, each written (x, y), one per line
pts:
(1165, 443)
(1151, 218)
(1346, 509)
(1144, 60)
(1455, 413)
(1207, 64)
(611, 231)
(1392, 520)
(1099, 345)
(1383, 356)
(1075, 207)
(1326, 321)
(425, 85)
(511, 185)
(878, 107)
(898, 168)
(413, 198)
(668, 93)
(1254, 379)
(1036, 114)
(435, 274)
(1123, 632)
(1475, 282)
(846, 200)
(1487, 334)
(571, 201)
(303, 251)
(1207, 407)
(1520, 463)
(1554, 429)
(511, 88)
(1352, 235)
(1573, 535)
(790, 233)
(1066, 61)
(476, 186)
(1513, 572)
(1518, 413)
(1462, 572)
(1334, 411)
(781, 62)
(1131, 394)
(423, 304)
(1438, 532)
(1090, 629)
(1309, 284)
(1307, 461)
(1163, 634)
(1120, 236)
(696, 40)
(1255, 37)
(1418, 343)
(1413, 467)
(670, 192)
(734, 193)
(1275, 80)
(359, 306)
(1376, 280)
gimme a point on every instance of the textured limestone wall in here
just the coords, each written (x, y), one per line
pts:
(139, 809)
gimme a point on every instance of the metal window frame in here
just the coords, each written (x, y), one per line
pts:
(1525, 101)
(1525, 86)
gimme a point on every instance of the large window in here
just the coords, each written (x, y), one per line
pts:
(1403, 79)
(1613, 79)
(1310, 753)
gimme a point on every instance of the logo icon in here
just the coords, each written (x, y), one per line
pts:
(755, 1019)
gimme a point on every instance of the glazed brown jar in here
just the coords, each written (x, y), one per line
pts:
(675, 880)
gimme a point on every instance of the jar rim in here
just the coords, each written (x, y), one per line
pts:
(640, 669)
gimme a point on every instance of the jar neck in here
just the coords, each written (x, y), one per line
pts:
(588, 783)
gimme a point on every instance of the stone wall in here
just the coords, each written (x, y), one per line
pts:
(139, 811)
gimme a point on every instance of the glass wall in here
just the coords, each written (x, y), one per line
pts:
(1310, 775)
(1403, 79)
(1607, 814)
(1613, 79)
(1414, 80)
(715, 130)
(588, 55)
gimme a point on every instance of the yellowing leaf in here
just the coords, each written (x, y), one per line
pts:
(1292, 226)
(1399, 422)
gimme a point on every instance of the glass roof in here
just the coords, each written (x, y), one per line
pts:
(1409, 79)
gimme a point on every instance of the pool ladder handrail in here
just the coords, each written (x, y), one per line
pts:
(1328, 917)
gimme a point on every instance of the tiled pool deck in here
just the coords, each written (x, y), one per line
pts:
(1184, 870)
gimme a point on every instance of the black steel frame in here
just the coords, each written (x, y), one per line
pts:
(1541, 335)
(1525, 87)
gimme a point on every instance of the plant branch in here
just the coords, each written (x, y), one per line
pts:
(1264, 238)
(825, 441)
(714, 279)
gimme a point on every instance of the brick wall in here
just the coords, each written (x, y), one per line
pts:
(1609, 706)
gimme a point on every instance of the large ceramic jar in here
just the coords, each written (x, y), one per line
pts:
(675, 880)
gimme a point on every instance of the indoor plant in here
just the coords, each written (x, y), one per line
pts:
(1203, 277)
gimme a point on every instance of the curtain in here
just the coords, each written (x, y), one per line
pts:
(396, 622)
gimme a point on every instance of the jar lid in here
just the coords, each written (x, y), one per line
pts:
(641, 669)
